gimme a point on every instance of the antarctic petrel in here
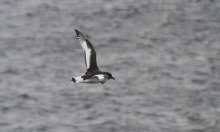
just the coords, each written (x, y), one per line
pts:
(93, 74)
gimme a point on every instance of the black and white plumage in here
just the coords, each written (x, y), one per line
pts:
(93, 74)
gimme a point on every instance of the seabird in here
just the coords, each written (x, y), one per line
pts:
(93, 74)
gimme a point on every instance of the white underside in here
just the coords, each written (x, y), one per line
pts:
(95, 79)
(91, 80)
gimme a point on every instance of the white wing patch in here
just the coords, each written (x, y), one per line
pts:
(90, 80)
(102, 78)
(87, 51)
(78, 79)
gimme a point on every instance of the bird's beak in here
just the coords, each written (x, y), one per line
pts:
(112, 78)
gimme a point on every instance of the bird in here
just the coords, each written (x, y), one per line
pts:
(93, 74)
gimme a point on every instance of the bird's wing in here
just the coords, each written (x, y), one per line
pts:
(102, 77)
(89, 52)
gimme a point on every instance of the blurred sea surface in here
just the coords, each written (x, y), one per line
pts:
(164, 54)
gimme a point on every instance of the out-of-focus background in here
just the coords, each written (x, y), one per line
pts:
(164, 54)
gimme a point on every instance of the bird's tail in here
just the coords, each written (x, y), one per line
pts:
(77, 79)
(74, 80)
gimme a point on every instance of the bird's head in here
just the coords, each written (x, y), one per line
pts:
(110, 75)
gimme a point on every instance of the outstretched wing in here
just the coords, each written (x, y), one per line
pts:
(89, 52)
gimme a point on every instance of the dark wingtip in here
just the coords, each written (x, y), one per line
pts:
(77, 32)
(73, 79)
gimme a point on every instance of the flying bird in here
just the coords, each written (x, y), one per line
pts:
(93, 74)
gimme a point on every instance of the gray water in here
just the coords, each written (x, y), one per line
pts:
(164, 54)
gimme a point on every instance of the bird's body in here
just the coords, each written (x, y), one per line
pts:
(93, 74)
